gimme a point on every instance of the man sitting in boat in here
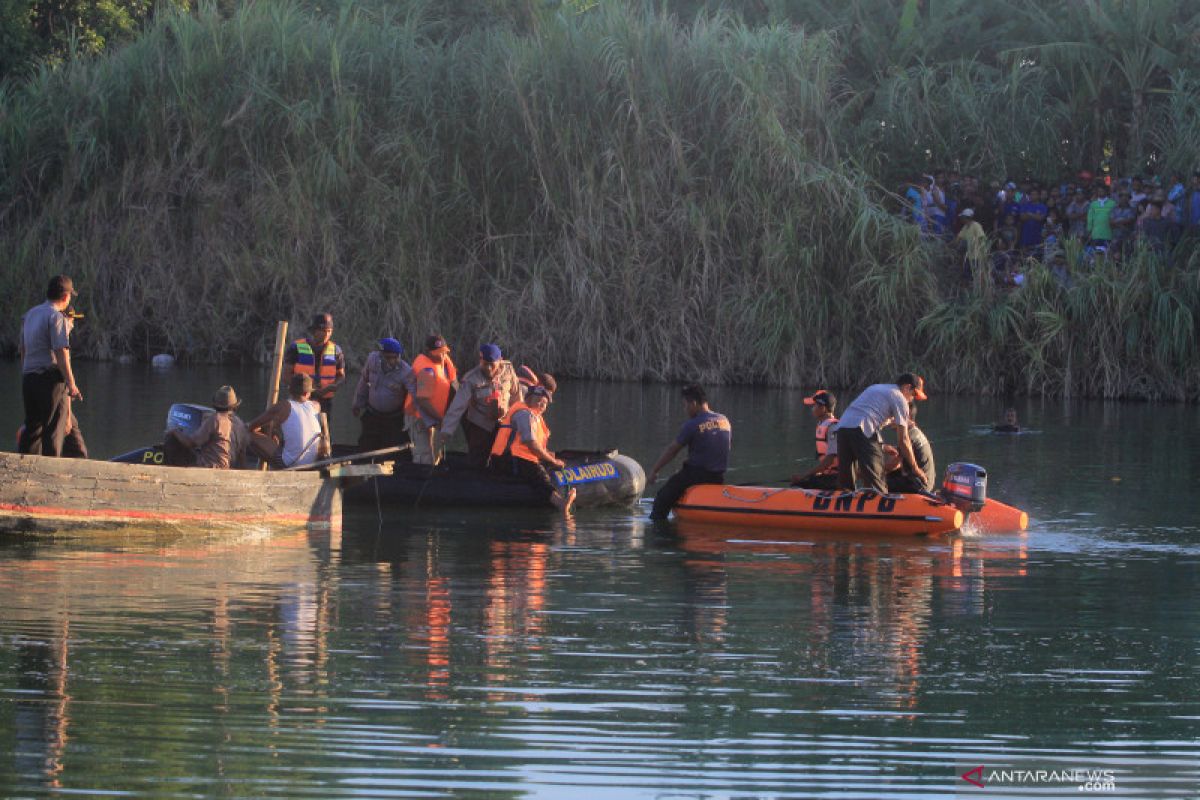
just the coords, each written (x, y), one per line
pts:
(485, 394)
(219, 443)
(708, 436)
(520, 447)
(824, 475)
(903, 480)
(379, 399)
(860, 443)
(296, 419)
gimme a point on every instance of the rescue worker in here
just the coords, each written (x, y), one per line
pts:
(859, 439)
(824, 474)
(434, 381)
(318, 357)
(484, 396)
(47, 379)
(296, 419)
(904, 480)
(221, 440)
(521, 447)
(383, 388)
(707, 436)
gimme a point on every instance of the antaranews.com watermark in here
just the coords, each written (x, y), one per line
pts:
(995, 779)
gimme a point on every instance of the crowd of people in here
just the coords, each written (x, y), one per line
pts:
(995, 229)
(501, 409)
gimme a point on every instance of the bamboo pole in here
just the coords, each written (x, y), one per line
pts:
(276, 369)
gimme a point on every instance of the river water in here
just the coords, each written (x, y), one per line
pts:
(471, 654)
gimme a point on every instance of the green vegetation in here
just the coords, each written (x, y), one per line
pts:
(606, 190)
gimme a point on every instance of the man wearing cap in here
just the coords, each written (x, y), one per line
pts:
(434, 381)
(383, 388)
(47, 379)
(708, 437)
(220, 441)
(521, 444)
(484, 396)
(296, 418)
(859, 433)
(825, 474)
(318, 357)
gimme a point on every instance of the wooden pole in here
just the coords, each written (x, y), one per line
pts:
(276, 369)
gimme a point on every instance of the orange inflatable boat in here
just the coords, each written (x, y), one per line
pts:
(862, 511)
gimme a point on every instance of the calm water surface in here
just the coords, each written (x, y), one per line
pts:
(515, 655)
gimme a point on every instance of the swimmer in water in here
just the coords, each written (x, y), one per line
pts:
(1009, 425)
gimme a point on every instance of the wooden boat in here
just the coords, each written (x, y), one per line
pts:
(48, 495)
(601, 478)
(859, 512)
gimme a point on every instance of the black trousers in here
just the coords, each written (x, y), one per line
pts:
(381, 430)
(479, 443)
(855, 448)
(46, 413)
(687, 477)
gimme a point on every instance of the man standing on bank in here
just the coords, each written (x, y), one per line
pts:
(318, 357)
(859, 439)
(484, 396)
(47, 380)
(707, 435)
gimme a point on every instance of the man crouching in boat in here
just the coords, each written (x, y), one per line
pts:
(296, 419)
(219, 443)
(707, 436)
(902, 480)
(520, 447)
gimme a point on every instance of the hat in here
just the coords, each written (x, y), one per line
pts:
(1010, 185)
(225, 399)
(915, 381)
(300, 384)
(321, 321)
(435, 342)
(967, 212)
(534, 392)
(390, 345)
(60, 286)
(490, 352)
(822, 398)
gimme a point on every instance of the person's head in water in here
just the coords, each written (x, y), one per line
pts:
(695, 400)
(1010, 417)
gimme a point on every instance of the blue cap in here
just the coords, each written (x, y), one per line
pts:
(390, 345)
(490, 352)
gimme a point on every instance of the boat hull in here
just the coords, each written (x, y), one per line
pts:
(54, 495)
(599, 479)
(861, 512)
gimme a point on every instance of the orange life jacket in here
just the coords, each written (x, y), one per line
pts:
(823, 435)
(509, 443)
(444, 375)
(322, 369)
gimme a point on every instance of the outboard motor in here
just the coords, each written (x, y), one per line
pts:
(186, 416)
(965, 486)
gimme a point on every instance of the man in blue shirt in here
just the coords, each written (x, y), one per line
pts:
(707, 436)
(1033, 216)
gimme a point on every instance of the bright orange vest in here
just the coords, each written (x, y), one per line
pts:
(823, 435)
(444, 376)
(508, 443)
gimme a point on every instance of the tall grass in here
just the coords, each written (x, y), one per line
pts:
(620, 196)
